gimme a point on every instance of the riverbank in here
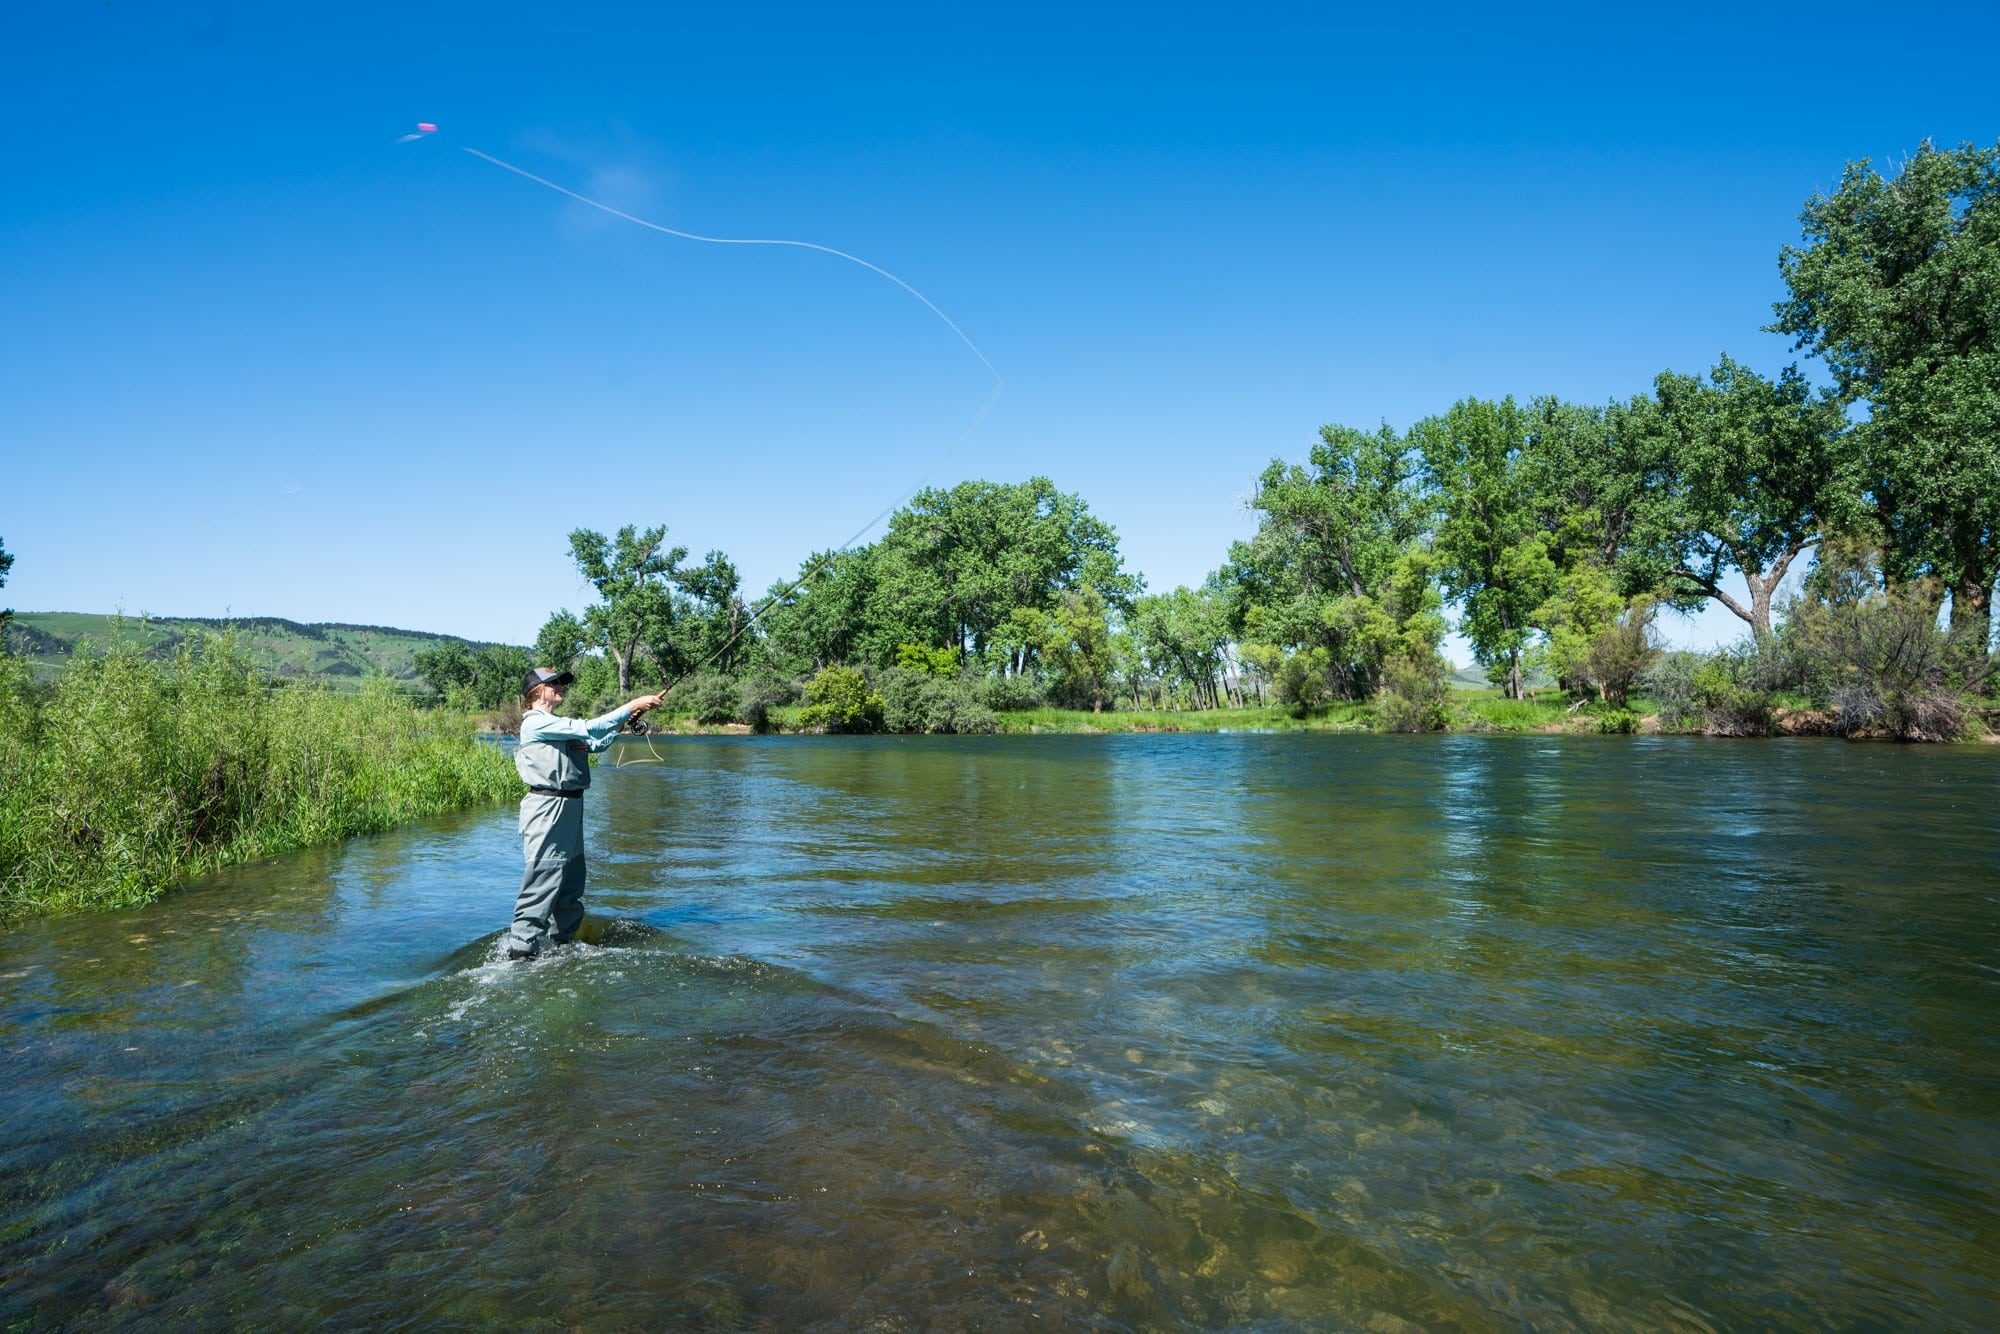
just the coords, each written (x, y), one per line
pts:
(1550, 713)
(125, 776)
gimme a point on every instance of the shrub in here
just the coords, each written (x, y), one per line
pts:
(1007, 693)
(1617, 722)
(928, 661)
(1297, 675)
(1730, 693)
(838, 700)
(709, 698)
(129, 775)
(915, 701)
(760, 692)
(1890, 669)
(1414, 697)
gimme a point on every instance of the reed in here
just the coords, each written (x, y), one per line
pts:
(126, 775)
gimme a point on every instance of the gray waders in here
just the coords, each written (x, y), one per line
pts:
(551, 898)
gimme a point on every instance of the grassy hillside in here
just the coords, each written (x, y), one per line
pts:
(342, 655)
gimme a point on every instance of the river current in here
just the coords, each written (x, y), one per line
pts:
(1121, 1032)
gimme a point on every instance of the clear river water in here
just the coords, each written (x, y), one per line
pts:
(1119, 1032)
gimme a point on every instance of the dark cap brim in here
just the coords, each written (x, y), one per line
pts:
(542, 676)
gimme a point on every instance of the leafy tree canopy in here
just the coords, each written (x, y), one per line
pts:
(1897, 288)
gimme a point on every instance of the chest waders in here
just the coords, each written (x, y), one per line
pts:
(551, 898)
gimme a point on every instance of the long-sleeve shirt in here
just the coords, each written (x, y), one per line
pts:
(554, 752)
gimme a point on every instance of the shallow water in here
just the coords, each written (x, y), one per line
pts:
(1104, 1032)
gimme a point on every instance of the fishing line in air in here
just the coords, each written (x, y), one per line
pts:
(778, 598)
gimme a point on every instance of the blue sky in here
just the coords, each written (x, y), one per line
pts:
(258, 358)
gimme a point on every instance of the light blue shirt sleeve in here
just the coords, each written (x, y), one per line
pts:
(596, 733)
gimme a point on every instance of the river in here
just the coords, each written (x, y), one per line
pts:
(1121, 1032)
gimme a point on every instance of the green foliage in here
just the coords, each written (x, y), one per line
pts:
(1179, 645)
(955, 565)
(927, 661)
(1493, 557)
(838, 700)
(1884, 664)
(128, 775)
(1897, 288)
(1297, 675)
(471, 679)
(1009, 693)
(1415, 697)
(917, 701)
(707, 697)
(1075, 649)
(1320, 571)
(820, 618)
(1595, 640)
(1617, 722)
(760, 692)
(563, 639)
(1747, 473)
(629, 571)
(1731, 693)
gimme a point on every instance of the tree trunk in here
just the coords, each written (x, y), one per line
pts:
(1971, 600)
(624, 661)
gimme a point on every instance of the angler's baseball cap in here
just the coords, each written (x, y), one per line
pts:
(543, 676)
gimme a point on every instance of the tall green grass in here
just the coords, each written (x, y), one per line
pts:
(127, 775)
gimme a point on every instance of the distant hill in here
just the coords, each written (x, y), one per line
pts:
(338, 653)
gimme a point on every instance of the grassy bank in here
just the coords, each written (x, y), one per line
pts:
(125, 775)
(1472, 711)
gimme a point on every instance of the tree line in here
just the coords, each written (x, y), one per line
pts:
(1554, 531)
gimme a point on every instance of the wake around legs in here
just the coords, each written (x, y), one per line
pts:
(554, 761)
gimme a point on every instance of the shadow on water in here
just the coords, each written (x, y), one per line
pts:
(1120, 1033)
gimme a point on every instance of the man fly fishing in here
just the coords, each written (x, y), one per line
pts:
(554, 761)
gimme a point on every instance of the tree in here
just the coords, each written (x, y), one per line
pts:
(1181, 638)
(469, 678)
(817, 619)
(1751, 472)
(1077, 648)
(563, 639)
(1596, 640)
(700, 626)
(1594, 474)
(630, 573)
(6, 564)
(955, 565)
(1493, 556)
(1316, 573)
(1897, 288)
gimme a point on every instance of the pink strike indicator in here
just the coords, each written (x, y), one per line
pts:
(426, 127)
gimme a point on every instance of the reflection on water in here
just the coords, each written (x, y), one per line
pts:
(1122, 1032)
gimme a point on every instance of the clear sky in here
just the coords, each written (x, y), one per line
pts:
(259, 358)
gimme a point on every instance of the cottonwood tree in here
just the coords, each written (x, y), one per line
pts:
(1313, 584)
(956, 564)
(631, 573)
(702, 623)
(6, 564)
(563, 639)
(816, 619)
(1181, 639)
(1493, 556)
(1897, 289)
(1751, 472)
